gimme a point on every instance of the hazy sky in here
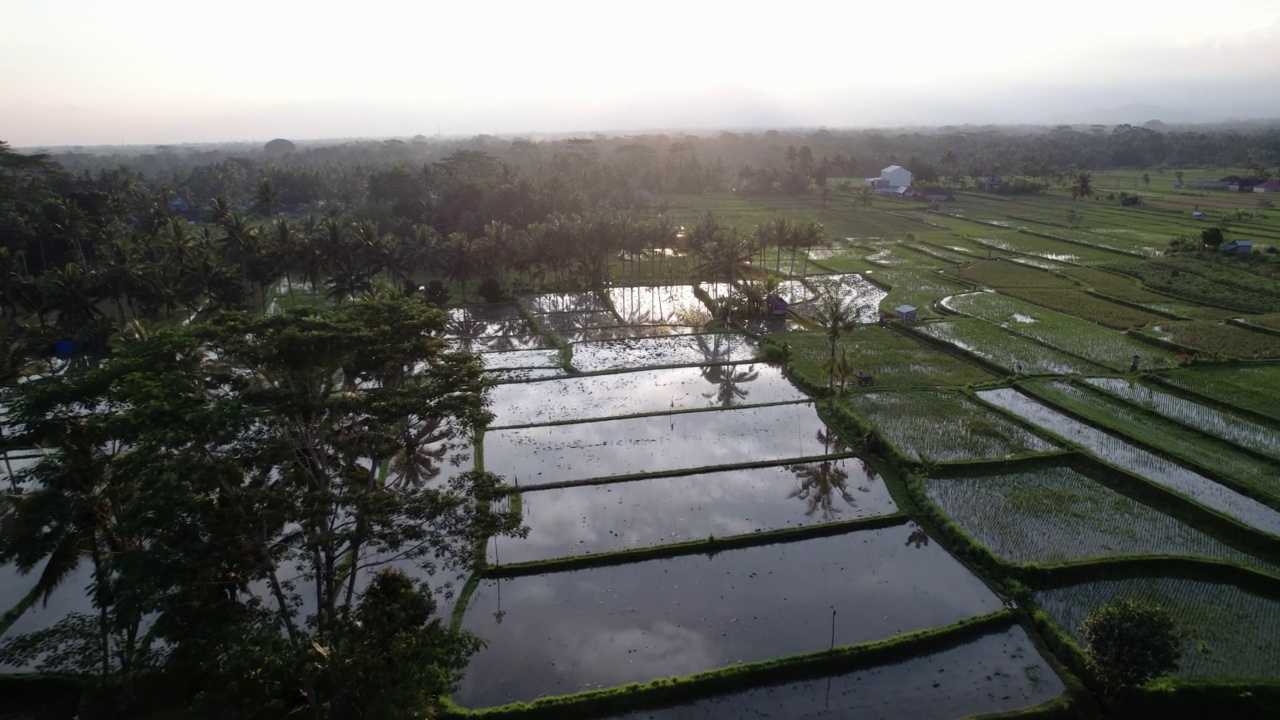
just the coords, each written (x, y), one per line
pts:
(144, 71)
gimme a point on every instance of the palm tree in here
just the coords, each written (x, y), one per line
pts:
(459, 258)
(266, 196)
(1082, 186)
(836, 315)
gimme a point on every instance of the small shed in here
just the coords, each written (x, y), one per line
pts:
(906, 312)
(777, 306)
(1197, 213)
(1267, 187)
(1237, 247)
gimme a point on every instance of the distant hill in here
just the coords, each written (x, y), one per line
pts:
(1135, 114)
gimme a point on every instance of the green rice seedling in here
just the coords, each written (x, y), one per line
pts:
(1058, 515)
(1228, 426)
(944, 426)
(1226, 632)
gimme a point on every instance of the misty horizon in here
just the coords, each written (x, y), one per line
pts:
(128, 74)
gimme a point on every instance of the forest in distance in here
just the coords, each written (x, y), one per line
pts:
(615, 426)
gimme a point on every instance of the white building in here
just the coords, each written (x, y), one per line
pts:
(893, 176)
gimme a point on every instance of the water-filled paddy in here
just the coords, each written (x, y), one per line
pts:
(1144, 464)
(564, 632)
(499, 343)
(512, 359)
(599, 518)
(486, 320)
(571, 322)
(643, 391)
(623, 332)
(1057, 515)
(562, 302)
(657, 443)
(704, 349)
(998, 672)
(662, 305)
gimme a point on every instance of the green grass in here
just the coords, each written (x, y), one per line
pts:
(942, 427)
(1068, 333)
(1258, 476)
(1057, 515)
(1226, 632)
(1218, 340)
(893, 359)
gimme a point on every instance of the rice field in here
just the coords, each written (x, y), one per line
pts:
(1088, 307)
(1153, 468)
(701, 349)
(1057, 515)
(636, 393)
(998, 672)
(1000, 274)
(1219, 340)
(1106, 347)
(850, 288)
(943, 427)
(1233, 428)
(1255, 388)
(602, 627)
(657, 443)
(1226, 632)
(893, 359)
(918, 288)
(590, 519)
(663, 305)
(1014, 353)
(1260, 476)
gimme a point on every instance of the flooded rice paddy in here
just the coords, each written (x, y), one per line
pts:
(701, 349)
(564, 632)
(589, 519)
(998, 672)
(657, 443)
(645, 391)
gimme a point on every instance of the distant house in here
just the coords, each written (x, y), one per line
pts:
(1209, 185)
(1237, 247)
(1236, 183)
(894, 176)
(991, 183)
(906, 312)
(777, 306)
(1197, 213)
(1266, 187)
(932, 194)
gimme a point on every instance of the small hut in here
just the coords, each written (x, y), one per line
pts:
(777, 306)
(906, 312)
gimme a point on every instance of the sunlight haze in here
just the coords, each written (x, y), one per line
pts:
(135, 71)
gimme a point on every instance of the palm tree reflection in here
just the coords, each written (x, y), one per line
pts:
(727, 379)
(818, 486)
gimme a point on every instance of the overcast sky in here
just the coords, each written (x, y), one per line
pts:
(144, 71)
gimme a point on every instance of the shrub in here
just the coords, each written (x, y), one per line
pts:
(1129, 642)
(491, 290)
